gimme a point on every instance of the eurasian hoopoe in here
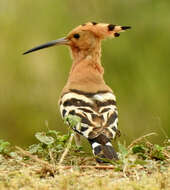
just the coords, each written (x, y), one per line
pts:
(85, 94)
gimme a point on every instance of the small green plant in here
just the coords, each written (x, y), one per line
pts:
(141, 151)
(72, 120)
(123, 151)
(123, 157)
(5, 147)
(147, 151)
(138, 149)
(142, 154)
(157, 152)
(50, 143)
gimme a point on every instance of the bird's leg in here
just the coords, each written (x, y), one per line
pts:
(77, 139)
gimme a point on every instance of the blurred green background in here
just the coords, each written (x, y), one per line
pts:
(136, 64)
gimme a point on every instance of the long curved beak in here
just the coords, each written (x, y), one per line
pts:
(61, 41)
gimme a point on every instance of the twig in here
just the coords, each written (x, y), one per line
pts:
(139, 139)
(124, 170)
(36, 159)
(51, 157)
(66, 149)
(137, 176)
(167, 154)
(88, 167)
(51, 167)
(77, 139)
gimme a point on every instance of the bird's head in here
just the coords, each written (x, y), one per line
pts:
(85, 37)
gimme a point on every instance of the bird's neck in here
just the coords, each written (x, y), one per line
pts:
(92, 55)
(86, 73)
(87, 59)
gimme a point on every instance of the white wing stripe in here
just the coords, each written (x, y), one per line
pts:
(72, 95)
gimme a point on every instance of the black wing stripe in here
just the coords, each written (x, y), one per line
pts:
(64, 112)
(84, 119)
(111, 119)
(85, 110)
(106, 103)
(72, 112)
(105, 110)
(83, 128)
(76, 102)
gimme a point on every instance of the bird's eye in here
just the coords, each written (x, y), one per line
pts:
(77, 36)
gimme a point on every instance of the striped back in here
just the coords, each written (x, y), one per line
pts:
(97, 111)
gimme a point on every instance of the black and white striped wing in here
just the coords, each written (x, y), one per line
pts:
(76, 104)
(97, 111)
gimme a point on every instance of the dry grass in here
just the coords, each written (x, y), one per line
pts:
(142, 166)
(29, 175)
(147, 169)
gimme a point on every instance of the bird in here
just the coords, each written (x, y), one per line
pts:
(86, 95)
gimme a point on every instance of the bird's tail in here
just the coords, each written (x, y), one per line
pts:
(102, 148)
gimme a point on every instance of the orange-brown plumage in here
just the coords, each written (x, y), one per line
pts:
(87, 73)
(85, 94)
(86, 76)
